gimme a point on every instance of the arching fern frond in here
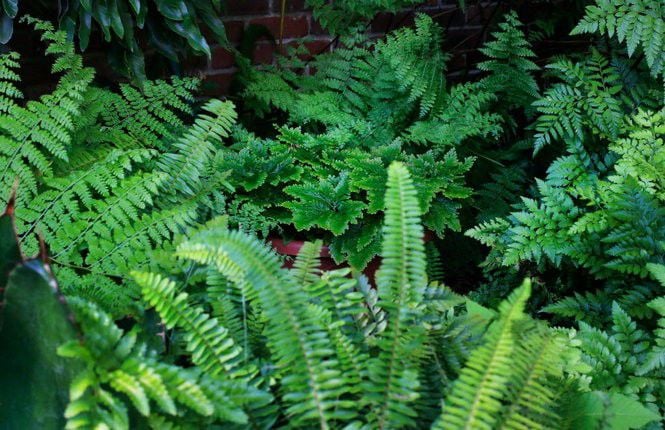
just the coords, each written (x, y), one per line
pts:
(476, 398)
(401, 280)
(34, 134)
(209, 343)
(195, 149)
(297, 337)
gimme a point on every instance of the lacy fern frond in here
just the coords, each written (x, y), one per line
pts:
(637, 23)
(510, 64)
(31, 135)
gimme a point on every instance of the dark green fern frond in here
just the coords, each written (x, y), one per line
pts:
(403, 50)
(510, 63)
(588, 99)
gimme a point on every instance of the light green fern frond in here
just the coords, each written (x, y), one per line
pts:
(193, 152)
(311, 374)
(476, 398)
(210, 345)
(401, 280)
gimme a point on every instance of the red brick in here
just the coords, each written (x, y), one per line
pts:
(247, 7)
(264, 53)
(234, 30)
(217, 84)
(291, 6)
(316, 47)
(221, 58)
(294, 26)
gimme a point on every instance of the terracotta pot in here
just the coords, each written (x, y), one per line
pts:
(292, 248)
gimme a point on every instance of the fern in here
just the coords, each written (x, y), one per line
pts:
(615, 231)
(119, 365)
(93, 164)
(400, 282)
(40, 130)
(636, 23)
(510, 62)
(313, 383)
(476, 397)
(339, 17)
(588, 99)
(209, 344)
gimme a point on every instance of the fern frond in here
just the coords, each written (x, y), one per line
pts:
(636, 23)
(297, 337)
(188, 164)
(210, 345)
(476, 398)
(401, 280)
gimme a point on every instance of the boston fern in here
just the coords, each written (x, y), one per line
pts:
(305, 348)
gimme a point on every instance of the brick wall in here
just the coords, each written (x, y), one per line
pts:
(465, 31)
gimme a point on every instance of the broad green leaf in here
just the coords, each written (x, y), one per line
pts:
(627, 413)
(586, 410)
(85, 25)
(35, 380)
(6, 28)
(10, 255)
(10, 7)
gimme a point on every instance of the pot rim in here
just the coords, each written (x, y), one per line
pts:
(292, 248)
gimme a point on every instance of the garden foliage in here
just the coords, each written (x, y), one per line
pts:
(151, 208)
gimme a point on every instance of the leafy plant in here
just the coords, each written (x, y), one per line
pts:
(634, 22)
(594, 222)
(172, 28)
(35, 380)
(342, 16)
(368, 104)
(598, 207)
(332, 369)
(107, 177)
